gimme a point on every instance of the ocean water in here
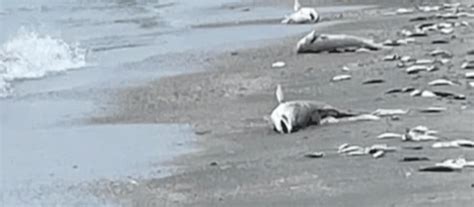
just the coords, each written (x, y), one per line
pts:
(59, 59)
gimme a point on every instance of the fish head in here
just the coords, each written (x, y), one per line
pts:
(282, 118)
(305, 43)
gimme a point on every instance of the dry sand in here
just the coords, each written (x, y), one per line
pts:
(245, 163)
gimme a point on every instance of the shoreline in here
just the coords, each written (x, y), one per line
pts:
(245, 162)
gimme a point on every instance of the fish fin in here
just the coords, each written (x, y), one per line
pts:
(279, 94)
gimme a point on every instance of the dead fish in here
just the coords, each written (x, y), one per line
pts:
(290, 116)
(406, 41)
(301, 15)
(437, 169)
(440, 52)
(316, 43)
(380, 147)
(446, 31)
(416, 33)
(469, 75)
(432, 110)
(391, 57)
(454, 144)
(420, 18)
(468, 65)
(373, 81)
(389, 135)
(389, 112)
(441, 82)
(414, 159)
(350, 148)
(465, 14)
(314, 155)
(418, 68)
(440, 41)
(458, 163)
(400, 90)
(419, 134)
(378, 154)
(413, 147)
(404, 11)
(278, 64)
(341, 77)
(407, 58)
(391, 43)
(450, 95)
(424, 61)
(429, 8)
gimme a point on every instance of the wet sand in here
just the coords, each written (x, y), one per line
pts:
(244, 163)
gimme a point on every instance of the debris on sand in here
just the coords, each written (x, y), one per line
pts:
(468, 65)
(441, 82)
(341, 77)
(314, 155)
(278, 64)
(389, 135)
(420, 134)
(454, 144)
(389, 112)
(432, 109)
(414, 159)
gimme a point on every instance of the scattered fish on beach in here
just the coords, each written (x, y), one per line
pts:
(376, 150)
(418, 68)
(373, 81)
(389, 112)
(393, 57)
(450, 165)
(468, 65)
(390, 135)
(441, 53)
(469, 75)
(454, 144)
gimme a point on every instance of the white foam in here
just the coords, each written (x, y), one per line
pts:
(29, 55)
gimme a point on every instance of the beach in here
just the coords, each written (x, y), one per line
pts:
(168, 105)
(243, 162)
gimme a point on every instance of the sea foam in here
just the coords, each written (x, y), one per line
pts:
(29, 55)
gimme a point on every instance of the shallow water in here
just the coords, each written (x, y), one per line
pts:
(109, 44)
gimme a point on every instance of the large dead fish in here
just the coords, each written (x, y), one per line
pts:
(290, 116)
(315, 43)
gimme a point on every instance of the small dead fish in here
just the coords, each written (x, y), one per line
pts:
(424, 61)
(389, 135)
(407, 58)
(429, 8)
(404, 11)
(432, 110)
(377, 147)
(446, 31)
(391, 57)
(441, 41)
(468, 65)
(373, 81)
(419, 33)
(279, 64)
(400, 90)
(437, 169)
(351, 149)
(391, 43)
(440, 52)
(469, 75)
(471, 84)
(450, 95)
(314, 155)
(418, 68)
(454, 144)
(441, 82)
(414, 159)
(378, 154)
(413, 147)
(389, 112)
(406, 41)
(341, 77)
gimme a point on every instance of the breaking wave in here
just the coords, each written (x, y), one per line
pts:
(29, 55)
